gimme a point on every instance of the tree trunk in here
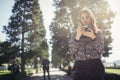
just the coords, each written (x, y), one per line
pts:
(22, 55)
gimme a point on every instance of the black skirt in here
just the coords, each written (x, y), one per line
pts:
(89, 70)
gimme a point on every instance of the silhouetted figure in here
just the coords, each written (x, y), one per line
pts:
(14, 67)
(45, 64)
(69, 70)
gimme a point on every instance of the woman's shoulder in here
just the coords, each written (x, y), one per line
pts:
(99, 34)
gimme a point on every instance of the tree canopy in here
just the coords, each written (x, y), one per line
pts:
(26, 29)
(7, 51)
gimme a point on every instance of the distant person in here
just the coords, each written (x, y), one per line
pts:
(14, 68)
(15, 65)
(14, 60)
(45, 63)
(86, 47)
(69, 70)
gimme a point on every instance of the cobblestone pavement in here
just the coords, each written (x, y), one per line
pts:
(55, 74)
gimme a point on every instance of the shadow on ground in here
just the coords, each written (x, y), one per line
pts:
(58, 77)
(18, 76)
(64, 77)
(52, 77)
(6, 77)
(112, 77)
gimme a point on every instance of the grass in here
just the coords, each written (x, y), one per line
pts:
(115, 71)
(27, 71)
(4, 72)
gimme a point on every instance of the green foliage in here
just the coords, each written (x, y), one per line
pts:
(7, 50)
(25, 28)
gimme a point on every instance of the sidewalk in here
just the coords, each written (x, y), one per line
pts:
(55, 74)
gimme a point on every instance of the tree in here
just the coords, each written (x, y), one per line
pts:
(60, 44)
(67, 19)
(26, 28)
(7, 51)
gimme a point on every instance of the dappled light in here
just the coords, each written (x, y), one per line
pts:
(33, 29)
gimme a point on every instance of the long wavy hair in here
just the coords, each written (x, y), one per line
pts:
(92, 17)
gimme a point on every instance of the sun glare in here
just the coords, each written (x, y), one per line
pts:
(115, 31)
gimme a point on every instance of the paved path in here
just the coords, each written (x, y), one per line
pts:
(55, 74)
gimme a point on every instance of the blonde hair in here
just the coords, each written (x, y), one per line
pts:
(92, 17)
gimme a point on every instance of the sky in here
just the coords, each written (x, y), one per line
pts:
(5, 12)
(48, 15)
(115, 6)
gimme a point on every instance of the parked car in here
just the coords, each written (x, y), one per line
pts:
(2, 67)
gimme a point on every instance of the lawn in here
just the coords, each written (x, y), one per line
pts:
(115, 71)
(8, 72)
(4, 72)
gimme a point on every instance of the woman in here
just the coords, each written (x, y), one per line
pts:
(86, 47)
